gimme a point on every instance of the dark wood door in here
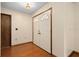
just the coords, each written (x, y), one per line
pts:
(5, 30)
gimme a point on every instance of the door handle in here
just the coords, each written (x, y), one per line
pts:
(39, 33)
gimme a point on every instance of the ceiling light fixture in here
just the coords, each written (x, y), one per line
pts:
(28, 5)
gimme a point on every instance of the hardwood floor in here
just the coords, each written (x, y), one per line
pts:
(74, 54)
(25, 50)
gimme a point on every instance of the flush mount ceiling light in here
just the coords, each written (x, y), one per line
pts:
(28, 6)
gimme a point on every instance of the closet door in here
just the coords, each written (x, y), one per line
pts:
(36, 34)
(44, 25)
(42, 28)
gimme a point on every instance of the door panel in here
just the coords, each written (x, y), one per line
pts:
(45, 31)
(5, 30)
(42, 39)
(36, 28)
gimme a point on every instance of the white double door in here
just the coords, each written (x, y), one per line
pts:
(42, 30)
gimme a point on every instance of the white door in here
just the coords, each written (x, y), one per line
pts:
(42, 31)
(36, 28)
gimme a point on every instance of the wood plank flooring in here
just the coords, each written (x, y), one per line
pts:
(74, 54)
(25, 50)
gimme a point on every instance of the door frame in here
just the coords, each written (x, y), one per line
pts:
(10, 26)
(50, 26)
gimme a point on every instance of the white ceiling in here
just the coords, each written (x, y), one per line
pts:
(21, 6)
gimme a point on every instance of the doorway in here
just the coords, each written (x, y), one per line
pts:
(5, 30)
(42, 30)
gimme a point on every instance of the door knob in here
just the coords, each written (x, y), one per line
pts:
(39, 33)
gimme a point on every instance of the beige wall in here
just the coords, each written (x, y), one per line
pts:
(24, 24)
(69, 28)
(76, 20)
(58, 29)
(72, 29)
